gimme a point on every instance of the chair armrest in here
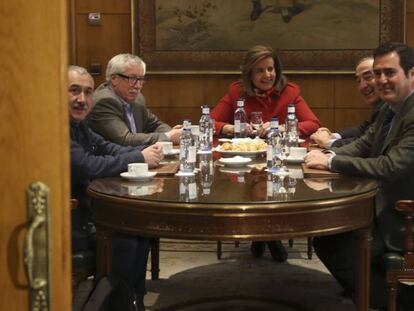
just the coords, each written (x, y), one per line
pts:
(406, 207)
(73, 203)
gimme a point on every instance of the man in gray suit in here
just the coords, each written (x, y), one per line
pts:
(120, 113)
(385, 152)
(365, 80)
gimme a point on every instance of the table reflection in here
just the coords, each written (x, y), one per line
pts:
(144, 188)
(206, 167)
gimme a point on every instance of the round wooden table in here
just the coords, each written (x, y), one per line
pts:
(239, 205)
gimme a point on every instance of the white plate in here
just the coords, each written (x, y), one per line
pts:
(294, 160)
(235, 170)
(235, 161)
(140, 177)
(241, 153)
(172, 153)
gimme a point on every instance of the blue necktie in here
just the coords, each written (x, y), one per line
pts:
(130, 116)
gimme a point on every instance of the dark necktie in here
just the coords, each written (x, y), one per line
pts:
(130, 117)
(386, 125)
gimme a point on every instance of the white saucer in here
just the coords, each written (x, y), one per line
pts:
(133, 177)
(204, 151)
(236, 161)
(172, 153)
(185, 173)
(235, 170)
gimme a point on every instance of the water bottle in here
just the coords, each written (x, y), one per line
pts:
(292, 130)
(187, 149)
(206, 172)
(274, 147)
(206, 130)
(240, 120)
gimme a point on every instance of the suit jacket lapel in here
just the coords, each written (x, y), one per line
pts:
(397, 123)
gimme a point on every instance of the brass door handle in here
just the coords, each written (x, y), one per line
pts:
(36, 247)
(34, 282)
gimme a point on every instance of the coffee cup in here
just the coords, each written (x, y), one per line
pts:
(167, 146)
(137, 168)
(297, 152)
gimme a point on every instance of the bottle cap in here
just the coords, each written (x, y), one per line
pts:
(187, 123)
(274, 123)
(205, 109)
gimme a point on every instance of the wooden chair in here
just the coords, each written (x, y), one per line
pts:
(400, 267)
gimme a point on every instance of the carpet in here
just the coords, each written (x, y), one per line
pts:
(234, 303)
(193, 279)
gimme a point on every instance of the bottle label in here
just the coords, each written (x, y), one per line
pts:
(192, 154)
(242, 127)
(237, 126)
(269, 154)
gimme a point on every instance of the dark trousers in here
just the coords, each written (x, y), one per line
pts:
(129, 261)
(339, 254)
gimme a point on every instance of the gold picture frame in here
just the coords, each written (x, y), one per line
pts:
(170, 35)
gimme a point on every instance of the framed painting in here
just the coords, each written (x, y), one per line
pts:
(309, 35)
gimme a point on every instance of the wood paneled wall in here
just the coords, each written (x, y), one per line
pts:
(173, 97)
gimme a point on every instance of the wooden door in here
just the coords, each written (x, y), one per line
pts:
(33, 142)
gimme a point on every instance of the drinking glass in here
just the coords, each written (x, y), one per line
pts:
(256, 120)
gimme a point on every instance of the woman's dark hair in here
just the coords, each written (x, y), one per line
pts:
(252, 57)
(405, 53)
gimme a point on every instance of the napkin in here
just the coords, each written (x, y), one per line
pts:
(166, 168)
(313, 172)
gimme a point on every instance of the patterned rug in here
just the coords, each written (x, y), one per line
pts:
(234, 304)
(193, 279)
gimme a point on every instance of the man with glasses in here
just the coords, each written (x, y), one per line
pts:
(364, 77)
(120, 113)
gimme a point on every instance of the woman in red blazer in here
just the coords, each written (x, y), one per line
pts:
(264, 88)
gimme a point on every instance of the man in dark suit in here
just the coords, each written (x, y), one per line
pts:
(385, 152)
(364, 77)
(120, 113)
(94, 157)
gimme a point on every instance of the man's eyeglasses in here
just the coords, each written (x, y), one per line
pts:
(132, 80)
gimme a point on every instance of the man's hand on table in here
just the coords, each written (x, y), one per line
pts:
(317, 159)
(153, 155)
(322, 137)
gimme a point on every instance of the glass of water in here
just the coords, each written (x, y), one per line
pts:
(256, 120)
